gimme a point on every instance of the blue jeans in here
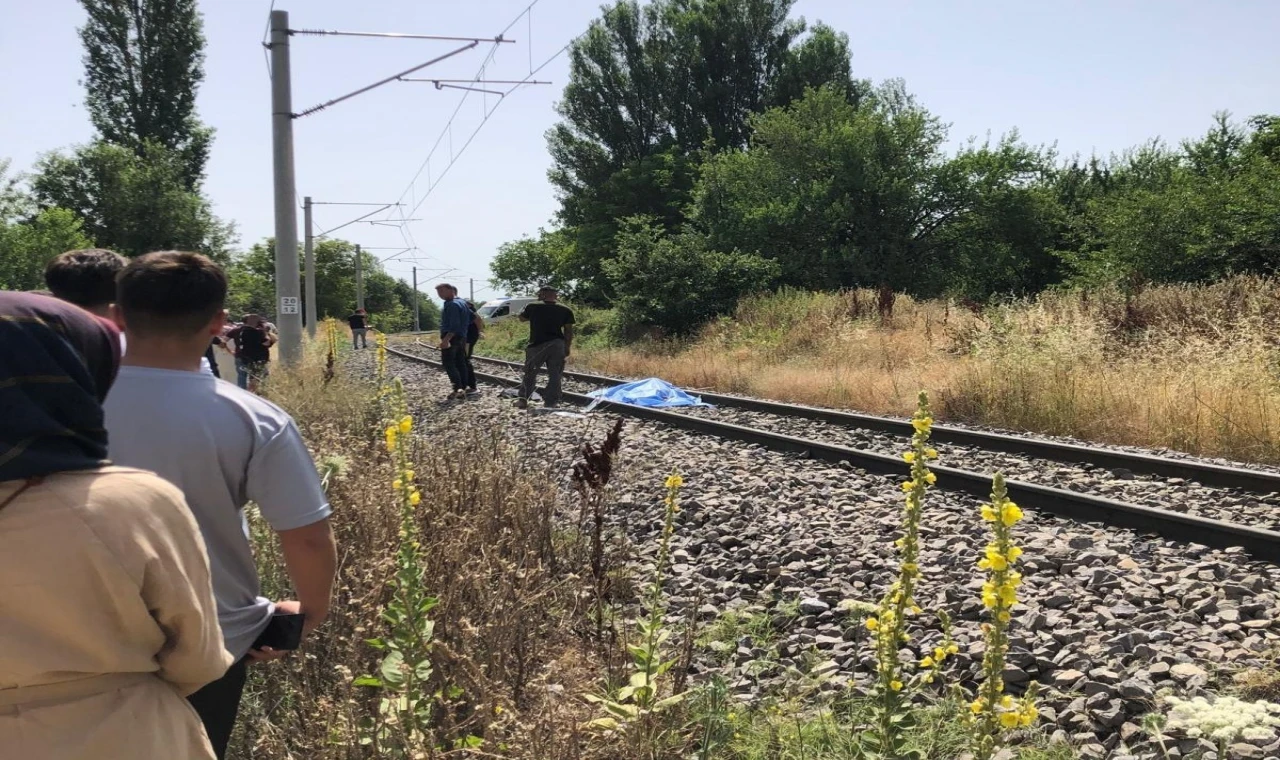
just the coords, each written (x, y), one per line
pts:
(247, 369)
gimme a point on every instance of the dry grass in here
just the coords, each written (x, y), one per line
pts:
(508, 621)
(1192, 368)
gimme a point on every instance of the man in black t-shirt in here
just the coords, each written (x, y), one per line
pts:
(253, 351)
(359, 324)
(550, 341)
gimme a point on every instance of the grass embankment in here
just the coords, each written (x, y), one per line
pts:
(1191, 368)
(504, 652)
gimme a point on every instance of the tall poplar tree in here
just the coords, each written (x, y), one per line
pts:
(144, 61)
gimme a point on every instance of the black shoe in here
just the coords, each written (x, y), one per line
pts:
(522, 403)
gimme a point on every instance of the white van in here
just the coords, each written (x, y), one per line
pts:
(502, 309)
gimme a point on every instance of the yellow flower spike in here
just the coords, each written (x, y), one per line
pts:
(909, 457)
(872, 624)
(930, 478)
(674, 481)
(895, 685)
(406, 424)
(922, 424)
(415, 498)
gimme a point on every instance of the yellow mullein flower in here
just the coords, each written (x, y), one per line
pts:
(1006, 702)
(1009, 720)
(1004, 617)
(415, 498)
(908, 485)
(872, 624)
(396, 484)
(1010, 514)
(1014, 553)
(895, 685)
(989, 513)
(406, 424)
(927, 662)
(674, 481)
(922, 424)
(931, 453)
(939, 654)
(1008, 595)
(930, 478)
(408, 475)
(953, 649)
(976, 706)
(909, 457)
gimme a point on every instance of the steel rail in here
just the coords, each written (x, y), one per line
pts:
(1219, 534)
(1257, 481)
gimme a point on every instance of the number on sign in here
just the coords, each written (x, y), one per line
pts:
(288, 305)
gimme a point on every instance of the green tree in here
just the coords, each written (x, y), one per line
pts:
(27, 246)
(652, 90)
(520, 266)
(847, 195)
(388, 300)
(144, 60)
(131, 202)
(673, 283)
(1198, 213)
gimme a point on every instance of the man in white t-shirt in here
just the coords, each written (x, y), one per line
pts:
(222, 447)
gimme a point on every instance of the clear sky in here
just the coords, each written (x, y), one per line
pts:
(1088, 75)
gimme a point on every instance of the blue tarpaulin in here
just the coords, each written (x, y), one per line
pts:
(650, 392)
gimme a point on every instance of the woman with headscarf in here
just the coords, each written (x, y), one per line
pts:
(107, 617)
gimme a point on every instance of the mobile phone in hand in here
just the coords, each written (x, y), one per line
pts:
(283, 633)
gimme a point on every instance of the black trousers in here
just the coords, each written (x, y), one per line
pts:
(218, 703)
(471, 368)
(454, 359)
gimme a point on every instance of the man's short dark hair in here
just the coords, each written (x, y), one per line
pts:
(170, 293)
(86, 278)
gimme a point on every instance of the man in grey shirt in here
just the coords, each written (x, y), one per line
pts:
(222, 447)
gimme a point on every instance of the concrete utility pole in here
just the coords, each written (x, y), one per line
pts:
(309, 267)
(288, 315)
(359, 279)
(416, 328)
(473, 290)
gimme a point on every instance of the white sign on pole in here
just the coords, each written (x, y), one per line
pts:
(288, 305)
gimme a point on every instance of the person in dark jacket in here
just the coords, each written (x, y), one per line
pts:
(454, 320)
(359, 324)
(475, 331)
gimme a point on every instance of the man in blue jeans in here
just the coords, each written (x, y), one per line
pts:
(253, 351)
(455, 317)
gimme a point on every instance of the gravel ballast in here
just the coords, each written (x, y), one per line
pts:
(1110, 619)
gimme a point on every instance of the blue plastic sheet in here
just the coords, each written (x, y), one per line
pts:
(651, 392)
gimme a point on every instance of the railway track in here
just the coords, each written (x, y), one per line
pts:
(1260, 542)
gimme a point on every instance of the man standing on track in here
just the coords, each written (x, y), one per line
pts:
(359, 324)
(222, 447)
(454, 319)
(475, 330)
(550, 342)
